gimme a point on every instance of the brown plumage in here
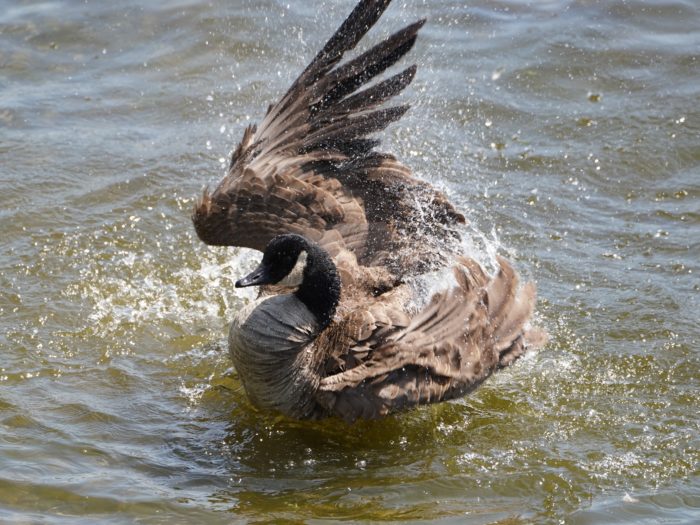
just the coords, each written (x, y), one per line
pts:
(342, 225)
(311, 353)
(446, 350)
(311, 168)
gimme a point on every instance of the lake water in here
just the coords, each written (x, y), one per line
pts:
(568, 132)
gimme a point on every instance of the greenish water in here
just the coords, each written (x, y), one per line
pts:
(569, 132)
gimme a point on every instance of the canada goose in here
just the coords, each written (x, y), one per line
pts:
(342, 226)
(294, 355)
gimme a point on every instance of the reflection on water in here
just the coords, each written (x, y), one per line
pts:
(567, 132)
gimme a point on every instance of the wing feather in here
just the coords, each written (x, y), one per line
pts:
(310, 167)
(446, 350)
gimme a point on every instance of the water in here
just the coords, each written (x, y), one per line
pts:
(567, 131)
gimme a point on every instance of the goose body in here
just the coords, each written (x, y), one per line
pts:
(296, 356)
(342, 227)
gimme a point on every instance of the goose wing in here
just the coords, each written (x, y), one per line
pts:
(311, 167)
(446, 350)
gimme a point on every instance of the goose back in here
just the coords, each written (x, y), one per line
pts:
(391, 362)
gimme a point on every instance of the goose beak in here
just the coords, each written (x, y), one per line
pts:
(257, 277)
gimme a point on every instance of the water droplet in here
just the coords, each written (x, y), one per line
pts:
(629, 499)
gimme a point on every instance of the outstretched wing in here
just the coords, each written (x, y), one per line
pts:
(446, 350)
(311, 167)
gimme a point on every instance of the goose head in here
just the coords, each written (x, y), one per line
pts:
(295, 261)
(284, 261)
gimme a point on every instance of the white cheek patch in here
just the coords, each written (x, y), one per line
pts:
(296, 276)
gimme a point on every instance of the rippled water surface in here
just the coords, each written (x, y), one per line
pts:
(569, 132)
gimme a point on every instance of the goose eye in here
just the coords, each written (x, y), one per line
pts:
(381, 289)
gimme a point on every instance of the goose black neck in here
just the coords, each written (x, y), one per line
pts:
(320, 288)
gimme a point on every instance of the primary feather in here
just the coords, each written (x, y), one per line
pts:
(311, 167)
